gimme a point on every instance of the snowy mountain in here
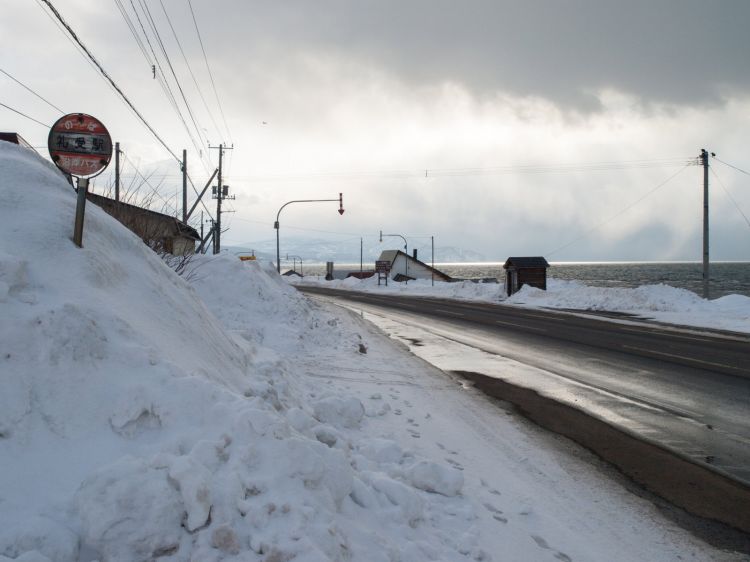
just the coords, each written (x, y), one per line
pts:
(322, 250)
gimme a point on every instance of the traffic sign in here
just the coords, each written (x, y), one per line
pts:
(80, 145)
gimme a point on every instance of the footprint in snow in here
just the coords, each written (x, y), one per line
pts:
(484, 484)
(456, 465)
(397, 412)
(541, 543)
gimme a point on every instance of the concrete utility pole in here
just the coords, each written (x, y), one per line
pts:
(222, 192)
(117, 171)
(704, 162)
(184, 186)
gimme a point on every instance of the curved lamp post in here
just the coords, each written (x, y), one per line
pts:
(276, 224)
(406, 251)
(294, 266)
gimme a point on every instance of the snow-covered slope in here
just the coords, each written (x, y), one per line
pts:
(134, 426)
(223, 416)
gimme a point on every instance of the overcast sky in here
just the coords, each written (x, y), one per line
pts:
(476, 122)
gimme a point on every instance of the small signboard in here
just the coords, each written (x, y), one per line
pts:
(382, 266)
(80, 145)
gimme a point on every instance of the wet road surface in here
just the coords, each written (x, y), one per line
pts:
(684, 389)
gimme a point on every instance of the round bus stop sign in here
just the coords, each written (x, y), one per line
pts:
(80, 145)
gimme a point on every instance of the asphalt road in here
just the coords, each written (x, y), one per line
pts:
(685, 389)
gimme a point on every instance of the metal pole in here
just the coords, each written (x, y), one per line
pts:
(432, 242)
(278, 259)
(184, 186)
(217, 234)
(704, 161)
(83, 187)
(117, 171)
(361, 255)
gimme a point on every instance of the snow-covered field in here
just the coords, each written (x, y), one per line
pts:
(655, 302)
(224, 416)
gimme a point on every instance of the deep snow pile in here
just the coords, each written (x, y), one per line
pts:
(658, 302)
(134, 426)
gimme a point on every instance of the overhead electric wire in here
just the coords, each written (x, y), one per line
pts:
(133, 30)
(155, 30)
(108, 77)
(160, 77)
(731, 166)
(17, 81)
(195, 81)
(621, 212)
(736, 205)
(24, 115)
(210, 74)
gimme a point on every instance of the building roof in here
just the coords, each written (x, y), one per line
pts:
(391, 255)
(179, 228)
(15, 138)
(526, 262)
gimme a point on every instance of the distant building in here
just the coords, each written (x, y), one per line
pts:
(15, 138)
(405, 267)
(161, 232)
(525, 271)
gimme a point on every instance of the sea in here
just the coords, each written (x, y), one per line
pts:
(725, 277)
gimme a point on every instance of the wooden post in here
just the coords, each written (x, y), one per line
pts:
(83, 188)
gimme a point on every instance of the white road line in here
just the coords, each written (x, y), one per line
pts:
(646, 331)
(682, 357)
(525, 327)
(449, 312)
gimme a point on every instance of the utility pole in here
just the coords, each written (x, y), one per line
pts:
(117, 171)
(704, 162)
(184, 186)
(221, 193)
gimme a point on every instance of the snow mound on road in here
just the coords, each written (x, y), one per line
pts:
(136, 424)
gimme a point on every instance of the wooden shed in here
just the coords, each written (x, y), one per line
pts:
(525, 271)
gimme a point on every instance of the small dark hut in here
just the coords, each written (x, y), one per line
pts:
(525, 271)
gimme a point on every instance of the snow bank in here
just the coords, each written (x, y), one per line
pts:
(136, 424)
(657, 302)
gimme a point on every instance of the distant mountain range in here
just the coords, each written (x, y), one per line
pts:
(321, 251)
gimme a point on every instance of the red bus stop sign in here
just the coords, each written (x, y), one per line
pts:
(80, 145)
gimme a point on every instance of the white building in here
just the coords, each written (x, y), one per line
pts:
(405, 267)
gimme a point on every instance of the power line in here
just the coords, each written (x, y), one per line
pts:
(107, 76)
(197, 87)
(621, 212)
(32, 91)
(721, 183)
(151, 21)
(210, 74)
(24, 115)
(735, 167)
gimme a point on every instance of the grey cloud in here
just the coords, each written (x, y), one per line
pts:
(663, 51)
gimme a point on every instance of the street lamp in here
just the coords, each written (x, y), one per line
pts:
(276, 224)
(294, 266)
(406, 251)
